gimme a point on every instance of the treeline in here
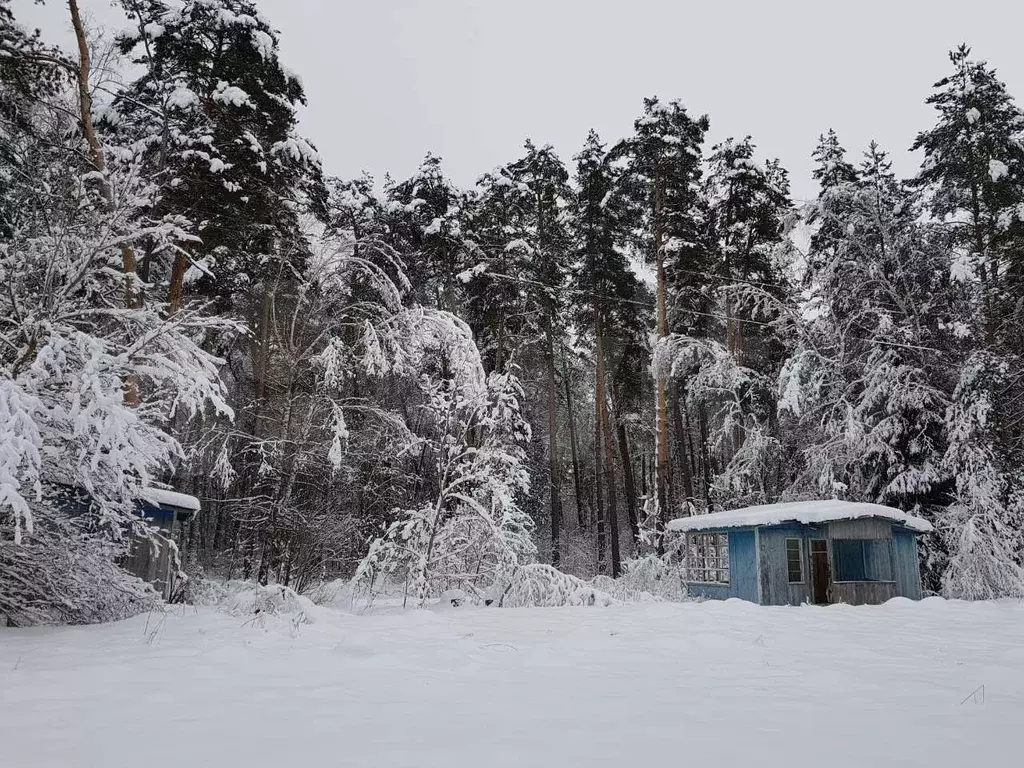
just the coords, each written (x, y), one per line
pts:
(409, 379)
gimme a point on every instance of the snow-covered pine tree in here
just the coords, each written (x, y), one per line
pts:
(76, 452)
(515, 290)
(832, 171)
(870, 380)
(425, 215)
(747, 204)
(973, 174)
(609, 303)
(663, 173)
(973, 179)
(213, 115)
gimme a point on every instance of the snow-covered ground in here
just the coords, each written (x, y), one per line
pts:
(714, 684)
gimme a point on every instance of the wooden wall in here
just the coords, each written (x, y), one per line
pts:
(908, 570)
(866, 528)
(759, 570)
(775, 586)
(150, 560)
(863, 592)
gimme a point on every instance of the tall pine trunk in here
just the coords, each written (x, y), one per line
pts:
(629, 485)
(605, 437)
(662, 384)
(581, 517)
(554, 473)
(598, 489)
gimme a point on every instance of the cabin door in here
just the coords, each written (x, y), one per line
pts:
(821, 574)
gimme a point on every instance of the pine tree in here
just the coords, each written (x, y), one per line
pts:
(664, 168)
(747, 204)
(973, 171)
(214, 116)
(426, 218)
(832, 172)
(870, 379)
(610, 301)
(973, 178)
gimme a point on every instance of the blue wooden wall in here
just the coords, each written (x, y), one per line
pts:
(742, 571)
(904, 555)
(759, 570)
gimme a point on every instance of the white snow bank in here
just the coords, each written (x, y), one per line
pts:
(935, 683)
(807, 512)
(255, 601)
(163, 497)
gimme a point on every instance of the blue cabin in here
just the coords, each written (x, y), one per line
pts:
(803, 552)
(152, 559)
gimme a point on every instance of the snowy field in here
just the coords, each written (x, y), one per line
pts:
(715, 684)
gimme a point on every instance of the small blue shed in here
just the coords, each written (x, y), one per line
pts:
(802, 552)
(152, 559)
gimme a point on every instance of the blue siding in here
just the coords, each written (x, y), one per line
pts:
(760, 556)
(908, 571)
(743, 565)
(742, 571)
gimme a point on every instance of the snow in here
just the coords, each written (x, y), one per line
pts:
(164, 497)
(231, 95)
(807, 512)
(182, 98)
(935, 683)
(997, 169)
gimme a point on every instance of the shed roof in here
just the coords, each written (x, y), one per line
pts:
(161, 497)
(807, 512)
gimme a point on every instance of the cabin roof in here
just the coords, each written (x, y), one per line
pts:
(807, 512)
(161, 497)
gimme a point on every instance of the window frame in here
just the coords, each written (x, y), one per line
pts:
(800, 561)
(714, 560)
(838, 544)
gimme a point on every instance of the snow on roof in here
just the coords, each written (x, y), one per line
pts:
(164, 498)
(807, 512)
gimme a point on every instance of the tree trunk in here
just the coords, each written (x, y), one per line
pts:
(662, 384)
(605, 437)
(128, 265)
(581, 518)
(629, 483)
(598, 491)
(554, 473)
(681, 440)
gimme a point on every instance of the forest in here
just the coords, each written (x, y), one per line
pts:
(423, 387)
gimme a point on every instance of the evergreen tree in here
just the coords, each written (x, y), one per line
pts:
(747, 204)
(610, 301)
(214, 116)
(426, 217)
(973, 171)
(664, 171)
(832, 172)
(870, 378)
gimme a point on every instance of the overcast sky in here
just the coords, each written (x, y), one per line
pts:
(470, 80)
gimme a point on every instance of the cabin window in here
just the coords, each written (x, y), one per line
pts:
(862, 559)
(707, 558)
(795, 560)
